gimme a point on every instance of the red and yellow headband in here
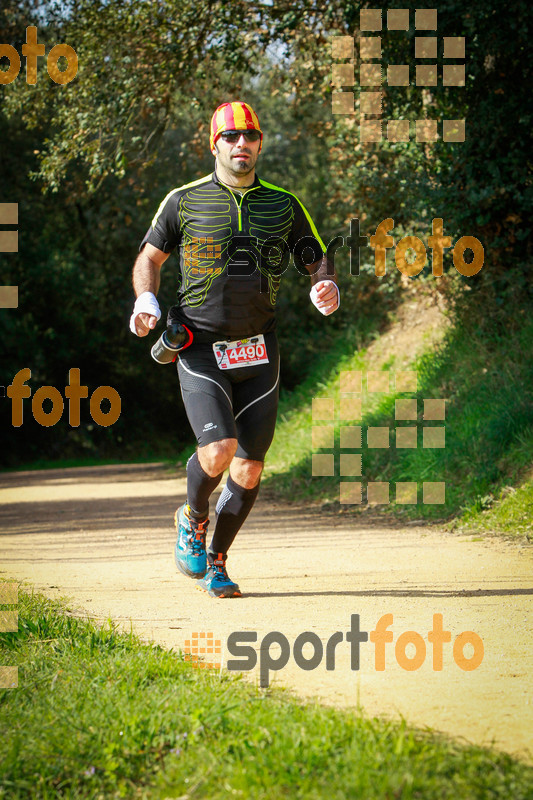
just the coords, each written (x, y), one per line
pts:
(234, 116)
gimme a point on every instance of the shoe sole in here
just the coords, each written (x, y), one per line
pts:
(222, 595)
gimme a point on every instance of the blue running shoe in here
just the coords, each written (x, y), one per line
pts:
(216, 581)
(189, 552)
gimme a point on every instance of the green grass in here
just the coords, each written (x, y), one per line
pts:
(98, 714)
(507, 511)
(486, 378)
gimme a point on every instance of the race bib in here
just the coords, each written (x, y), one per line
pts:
(241, 353)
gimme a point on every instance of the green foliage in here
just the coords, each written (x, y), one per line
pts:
(140, 66)
(98, 714)
(481, 187)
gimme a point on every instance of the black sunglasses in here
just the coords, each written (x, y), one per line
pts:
(234, 136)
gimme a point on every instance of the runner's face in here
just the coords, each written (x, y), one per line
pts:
(238, 158)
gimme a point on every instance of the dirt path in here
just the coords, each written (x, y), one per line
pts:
(103, 537)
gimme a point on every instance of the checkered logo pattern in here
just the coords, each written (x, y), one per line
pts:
(372, 74)
(9, 243)
(201, 648)
(199, 250)
(406, 433)
(9, 623)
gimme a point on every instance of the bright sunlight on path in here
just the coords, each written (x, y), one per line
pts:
(103, 537)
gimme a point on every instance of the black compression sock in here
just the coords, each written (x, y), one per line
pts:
(233, 506)
(200, 487)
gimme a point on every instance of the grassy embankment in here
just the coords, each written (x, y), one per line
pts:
(98, 714)
(483, 370)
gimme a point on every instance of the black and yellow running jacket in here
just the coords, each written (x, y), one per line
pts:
(233, 250)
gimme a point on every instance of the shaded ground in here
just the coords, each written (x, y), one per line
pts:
(103, 537)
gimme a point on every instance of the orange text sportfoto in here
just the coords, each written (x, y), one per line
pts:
(18, 390)
(32, 50)
(380, 637)
(382, 241)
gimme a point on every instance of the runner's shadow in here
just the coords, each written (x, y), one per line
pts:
(400, 593)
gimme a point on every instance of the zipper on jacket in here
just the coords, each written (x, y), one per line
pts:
(239, 205)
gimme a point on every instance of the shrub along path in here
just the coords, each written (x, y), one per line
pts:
(103, 537)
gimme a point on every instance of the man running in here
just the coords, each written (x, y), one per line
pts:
(235, 234)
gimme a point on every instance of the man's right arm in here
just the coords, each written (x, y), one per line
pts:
(146, 278)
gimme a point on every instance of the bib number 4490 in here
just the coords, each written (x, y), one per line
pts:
(241, 353)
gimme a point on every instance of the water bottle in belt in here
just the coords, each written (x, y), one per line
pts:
(176, 337)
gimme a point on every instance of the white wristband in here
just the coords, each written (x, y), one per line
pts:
(146, 303)
(313, 293)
